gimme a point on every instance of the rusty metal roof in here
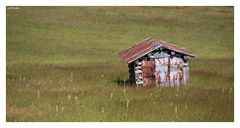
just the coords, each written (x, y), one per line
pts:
(148, 45)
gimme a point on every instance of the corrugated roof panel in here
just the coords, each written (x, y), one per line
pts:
(148, 45)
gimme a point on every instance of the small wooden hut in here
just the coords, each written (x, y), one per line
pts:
(156, 62)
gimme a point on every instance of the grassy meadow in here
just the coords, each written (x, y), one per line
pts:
(63, 64)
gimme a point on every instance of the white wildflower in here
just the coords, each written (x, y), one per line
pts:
(127, 104)
(69, 97)
(176, 109)
(102, 109)
(76, 98)
(27, 85)
(111, 95)
(38, 94)
(230, 91)
(56, 108)
(124, 90)
(62, 108)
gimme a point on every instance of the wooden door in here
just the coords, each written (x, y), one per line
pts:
(148, 72)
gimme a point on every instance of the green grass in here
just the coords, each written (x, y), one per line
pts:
(63, 64)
